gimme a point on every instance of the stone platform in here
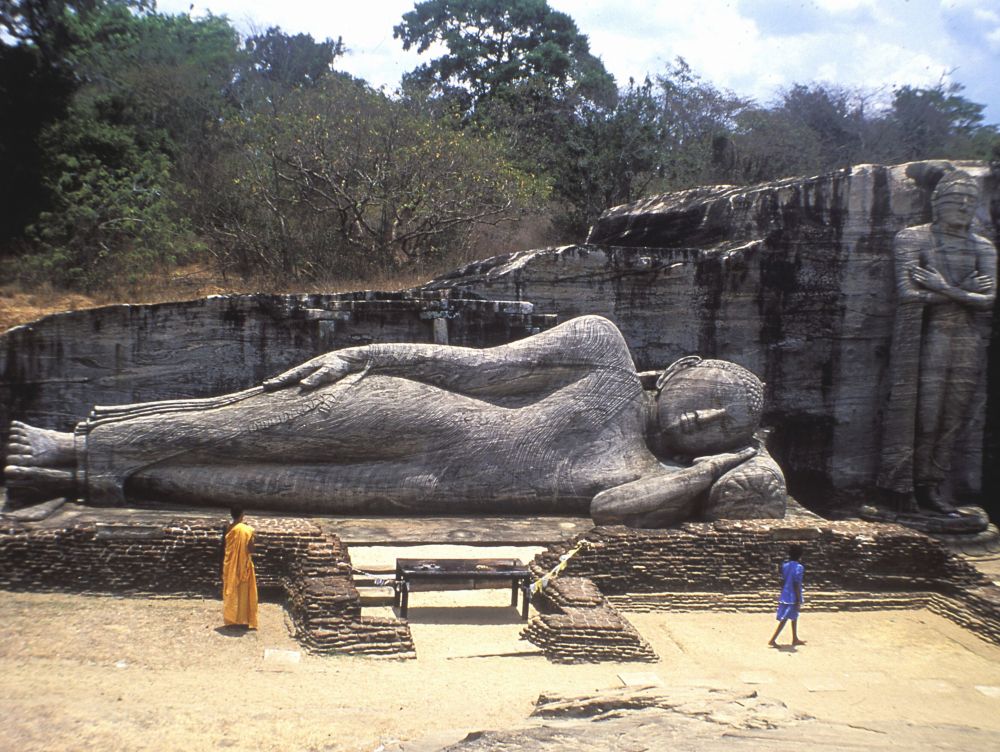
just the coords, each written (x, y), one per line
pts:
(727, 565)
(456, 531)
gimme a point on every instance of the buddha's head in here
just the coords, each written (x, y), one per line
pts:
(707, 407)
(954, 199)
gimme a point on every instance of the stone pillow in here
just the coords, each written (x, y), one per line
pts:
(753, 490)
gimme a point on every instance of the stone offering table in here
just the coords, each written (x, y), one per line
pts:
(436, 573)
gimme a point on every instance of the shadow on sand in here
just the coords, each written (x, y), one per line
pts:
(233, 630)
(463, 615)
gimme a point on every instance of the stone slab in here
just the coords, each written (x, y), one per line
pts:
(353, 531)
(494, 531)
(935, 686)
(282, 657)
(381, 560)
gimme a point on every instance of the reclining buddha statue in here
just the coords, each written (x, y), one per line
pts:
(558, 422)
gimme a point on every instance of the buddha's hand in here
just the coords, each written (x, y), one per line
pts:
(723, 463)
(321, 370)
(929, 278)
(979, 283)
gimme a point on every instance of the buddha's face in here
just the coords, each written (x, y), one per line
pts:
(702, 412)
(694, 431)
(956, 208)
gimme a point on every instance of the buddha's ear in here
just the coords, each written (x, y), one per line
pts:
(674, 368)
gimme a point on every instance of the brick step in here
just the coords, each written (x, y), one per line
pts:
(361, 581)
(376, 596)
(765, 601)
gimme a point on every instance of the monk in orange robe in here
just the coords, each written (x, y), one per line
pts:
(239, 580)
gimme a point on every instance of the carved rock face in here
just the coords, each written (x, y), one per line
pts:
(709, 407)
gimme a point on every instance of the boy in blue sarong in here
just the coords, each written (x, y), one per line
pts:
(790, 600)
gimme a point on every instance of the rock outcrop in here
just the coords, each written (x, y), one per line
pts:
(791, 279)
(693, 718)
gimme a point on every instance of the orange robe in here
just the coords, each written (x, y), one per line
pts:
(239, 580)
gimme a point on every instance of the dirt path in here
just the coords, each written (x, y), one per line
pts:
(95, 672)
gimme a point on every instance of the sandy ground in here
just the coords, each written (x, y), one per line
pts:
(98, 672)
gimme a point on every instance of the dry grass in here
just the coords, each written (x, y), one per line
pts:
(22, 305)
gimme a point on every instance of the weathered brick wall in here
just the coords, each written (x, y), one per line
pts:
(976, 609)
(576, 625)
(744, 555)
(734, 564)
(326, 608)
(138, 557)
(310, 568)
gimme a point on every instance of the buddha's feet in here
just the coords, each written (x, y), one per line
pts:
(39, 482)
(29, 446)
(39, 462)
(930, 497)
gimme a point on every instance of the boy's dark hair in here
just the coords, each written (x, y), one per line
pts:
(236, 512)
(795, 552)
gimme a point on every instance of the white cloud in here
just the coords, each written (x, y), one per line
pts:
(754, 47)
(841, 6)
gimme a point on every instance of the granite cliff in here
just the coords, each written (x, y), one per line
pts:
(791, 279)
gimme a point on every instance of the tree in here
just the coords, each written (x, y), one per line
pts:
(834, 118)
(938, 122)
(345, 181)
(609, 156)
(53, 26)
(767, 144)
(37, 81)
(495, 48)
(110, 216)
(33, 95)
(148, 90)
(289, 60)
(694, 116)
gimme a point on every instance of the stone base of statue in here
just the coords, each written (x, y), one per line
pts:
(966, 520)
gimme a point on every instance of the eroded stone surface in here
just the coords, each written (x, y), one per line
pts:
(696, 719)
(792, 279)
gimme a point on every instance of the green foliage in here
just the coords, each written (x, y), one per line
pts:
(116, 167)
(165, 75)
(32, 96)
(522, 70)
(58, 27)
(139, 135)
(939, 123)
(343, 181)
(694, 116)
(819, 128)
(289, 60)
(496, 48)
(606, 157)
(110, 219)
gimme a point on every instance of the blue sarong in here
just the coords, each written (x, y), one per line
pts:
(788, 602)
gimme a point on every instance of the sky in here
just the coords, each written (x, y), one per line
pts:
(754, 48)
